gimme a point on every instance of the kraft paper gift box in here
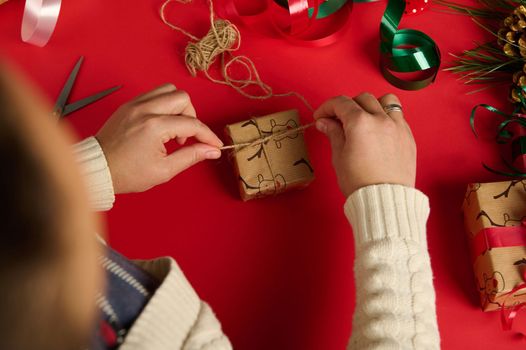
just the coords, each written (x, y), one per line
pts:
(272, 167)
(495, 219)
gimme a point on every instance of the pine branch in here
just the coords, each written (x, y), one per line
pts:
(490, 9)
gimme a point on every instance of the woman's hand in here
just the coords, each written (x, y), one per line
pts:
(368, 145)
(133, 139)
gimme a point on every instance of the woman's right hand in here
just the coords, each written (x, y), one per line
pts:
(368, 145)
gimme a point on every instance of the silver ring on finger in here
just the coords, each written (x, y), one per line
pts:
(393, 107)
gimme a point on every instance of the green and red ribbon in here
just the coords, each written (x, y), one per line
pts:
(317, 23)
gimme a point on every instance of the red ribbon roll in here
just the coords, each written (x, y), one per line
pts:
(299, 15)
(299, 27)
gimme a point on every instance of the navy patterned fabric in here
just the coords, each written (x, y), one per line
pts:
(128, 290)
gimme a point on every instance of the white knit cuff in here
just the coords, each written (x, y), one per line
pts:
(171, 313)
(387, 211)
(96, 173)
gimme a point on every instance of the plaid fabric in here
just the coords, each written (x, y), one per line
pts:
(129, 288)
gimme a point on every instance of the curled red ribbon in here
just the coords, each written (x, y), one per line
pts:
(505, 236)
(302, 27)
(507, 317)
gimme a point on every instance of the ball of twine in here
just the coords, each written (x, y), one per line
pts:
(223, 36)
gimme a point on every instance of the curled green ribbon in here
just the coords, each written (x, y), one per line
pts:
(505, 136)
(406, 50)
(401, 50)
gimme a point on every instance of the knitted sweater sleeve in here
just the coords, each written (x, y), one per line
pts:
(175, 317)
(96, 173)
(395, 298)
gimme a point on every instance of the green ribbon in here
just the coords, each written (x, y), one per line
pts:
(401, 50)
(504, 135)
(406, 50)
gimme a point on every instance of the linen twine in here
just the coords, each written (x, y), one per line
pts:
(262, 141)
(223, 38)
(283, 133)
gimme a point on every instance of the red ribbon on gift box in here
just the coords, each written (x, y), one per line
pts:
(498, 237)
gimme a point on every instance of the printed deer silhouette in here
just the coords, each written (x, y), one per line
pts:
(279, 184)
(277, 128)
(490, 286)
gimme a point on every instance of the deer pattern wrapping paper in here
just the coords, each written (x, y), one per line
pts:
(272, 167)
(495, 218)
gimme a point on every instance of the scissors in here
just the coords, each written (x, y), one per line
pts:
(62, 108)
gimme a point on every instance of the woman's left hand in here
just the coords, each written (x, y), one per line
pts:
(133, 139)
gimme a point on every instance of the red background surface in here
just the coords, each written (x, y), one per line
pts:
(279, 271)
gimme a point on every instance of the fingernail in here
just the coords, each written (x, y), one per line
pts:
(213, 154)
(321, 126)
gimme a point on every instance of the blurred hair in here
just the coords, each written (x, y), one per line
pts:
(30, 315)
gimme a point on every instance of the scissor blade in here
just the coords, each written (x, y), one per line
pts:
(72, 107)
(66, 90)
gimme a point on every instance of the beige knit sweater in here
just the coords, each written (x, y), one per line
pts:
(395, 299)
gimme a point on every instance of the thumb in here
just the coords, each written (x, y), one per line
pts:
(188, 156)
(334, 131)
